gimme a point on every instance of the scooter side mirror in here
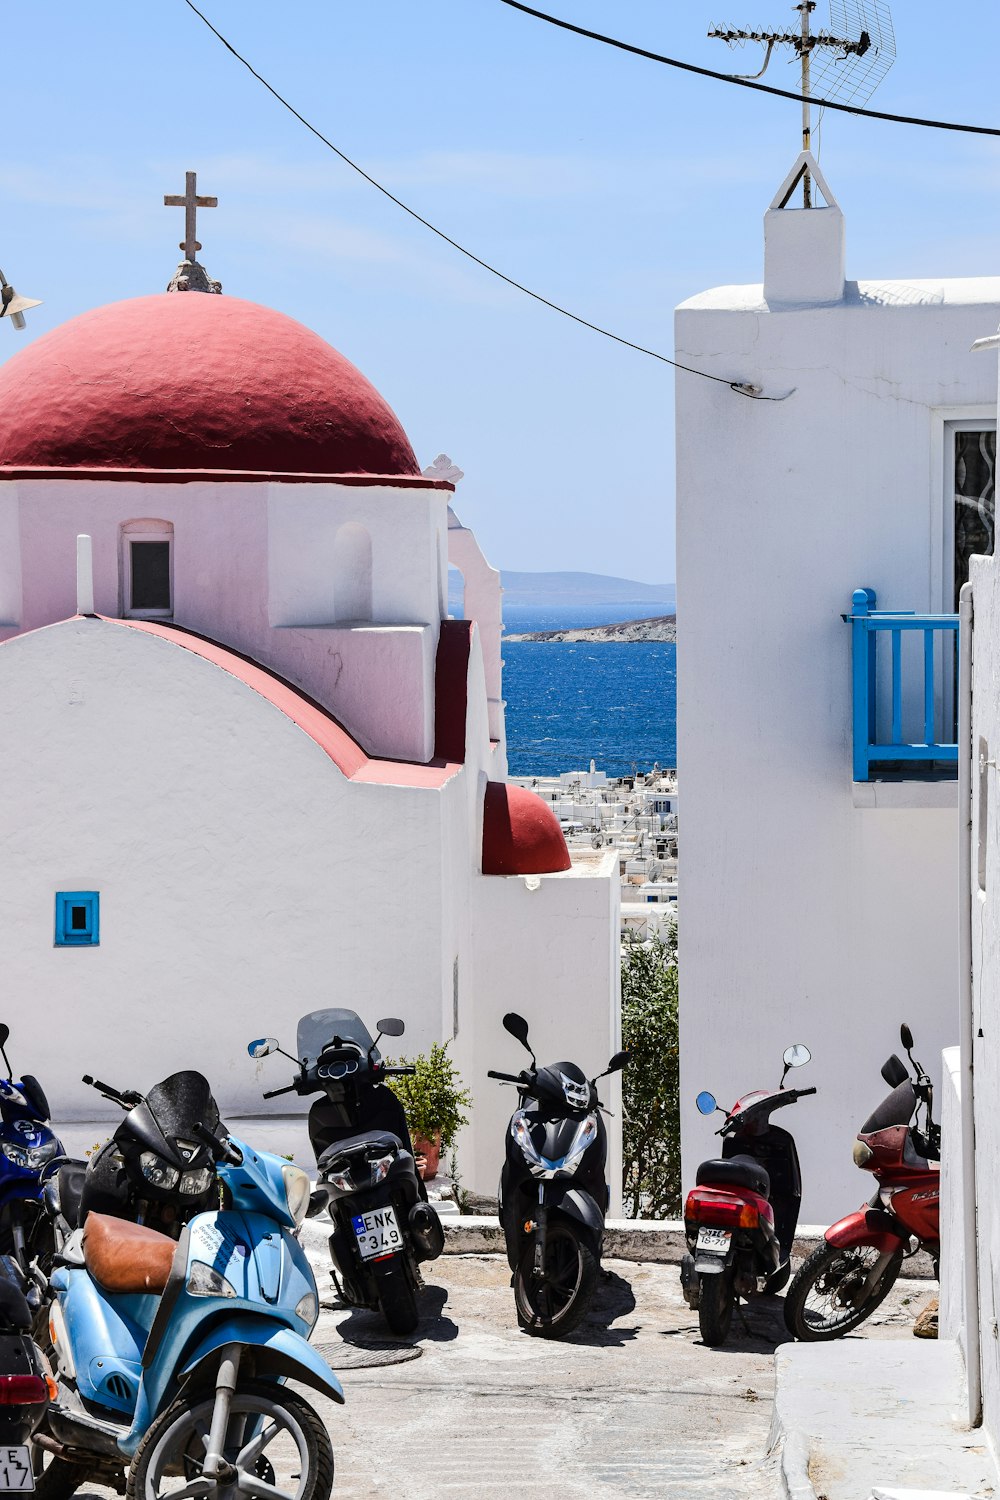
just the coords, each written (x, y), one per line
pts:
(263, 1046)
(390, 1027)
(517, 1026)
(905, 1036)
(4, 1034)
(894, 1072)
(617, 1062)
(796, 1056)
(707, 1104)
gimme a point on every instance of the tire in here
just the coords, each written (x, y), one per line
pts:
(397, 1297)
(57, 1479)
(822, 1301)
(558, 1303)
(715, 1308)
(170, 1454)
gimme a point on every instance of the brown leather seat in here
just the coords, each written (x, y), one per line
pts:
(125, 1257)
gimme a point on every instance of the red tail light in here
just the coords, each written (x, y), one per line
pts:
(23, 1390)
(723, 1210)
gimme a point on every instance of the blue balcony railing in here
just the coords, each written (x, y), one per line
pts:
(915, 689)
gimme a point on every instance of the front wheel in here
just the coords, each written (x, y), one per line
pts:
(555, 1300)
(715, 1308)
(275, 1445)
(836, 1289)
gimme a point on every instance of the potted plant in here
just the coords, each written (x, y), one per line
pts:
(434, 1100)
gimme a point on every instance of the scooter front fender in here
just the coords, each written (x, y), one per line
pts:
(277, 1352)
(576, 1204)
(868, 1226)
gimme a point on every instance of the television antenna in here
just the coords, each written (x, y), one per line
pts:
(847, 62)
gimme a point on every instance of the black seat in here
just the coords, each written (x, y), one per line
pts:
(737, 1171)
(373, 1142)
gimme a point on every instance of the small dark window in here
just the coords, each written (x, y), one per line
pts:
(78, 919)
(150, 568)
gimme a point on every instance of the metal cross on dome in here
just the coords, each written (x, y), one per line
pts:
(190, 203)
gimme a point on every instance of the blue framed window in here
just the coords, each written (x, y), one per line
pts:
(78, 919)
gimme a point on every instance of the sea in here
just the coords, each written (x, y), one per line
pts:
(569, 704)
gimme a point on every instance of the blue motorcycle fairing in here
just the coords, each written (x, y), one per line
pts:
(563, 1197)
(266, 1269)
(287, 1355)
(106, 1335)
(258, 1183)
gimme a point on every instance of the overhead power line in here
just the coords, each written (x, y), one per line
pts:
(742, 388)
(746, 83)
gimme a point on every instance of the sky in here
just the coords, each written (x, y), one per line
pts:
(607, 183)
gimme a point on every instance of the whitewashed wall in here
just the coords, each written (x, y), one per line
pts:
(951, 1312)
(809, 913)
(255, 566)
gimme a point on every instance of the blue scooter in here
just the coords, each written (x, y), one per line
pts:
(172, 1355)
(27, 1145)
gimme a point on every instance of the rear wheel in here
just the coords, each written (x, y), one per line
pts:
(836, 1289)
(55, 1479)
(715, 1308)
(555, 1301)
(396, 1295)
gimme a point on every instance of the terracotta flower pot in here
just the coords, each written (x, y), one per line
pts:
(431, 1151)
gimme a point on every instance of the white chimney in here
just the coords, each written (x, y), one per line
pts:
(84, 576)
(804, 248)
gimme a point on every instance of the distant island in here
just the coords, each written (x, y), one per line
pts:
(658, 628)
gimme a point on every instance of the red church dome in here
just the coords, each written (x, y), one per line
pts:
(521, 833)
(193, 383)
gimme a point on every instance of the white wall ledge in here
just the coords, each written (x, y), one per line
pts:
(939, 793)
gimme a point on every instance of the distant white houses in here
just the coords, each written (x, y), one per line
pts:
(825, 524)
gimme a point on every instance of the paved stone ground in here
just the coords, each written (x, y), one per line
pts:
(631, 1405)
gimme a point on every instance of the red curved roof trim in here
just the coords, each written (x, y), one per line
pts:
(331, 736)
(521, 834)
(229, 476)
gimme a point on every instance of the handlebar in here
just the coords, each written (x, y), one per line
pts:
(801, 1093)
(222, 1150)
(273, 1093)
(403, 1070)
(506, 1077)
(125, 1097)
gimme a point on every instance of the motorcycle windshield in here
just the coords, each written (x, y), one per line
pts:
(180, 1102)
(896, 1109)
(318, 1029)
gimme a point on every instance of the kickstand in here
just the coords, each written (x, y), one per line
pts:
(744, 1319)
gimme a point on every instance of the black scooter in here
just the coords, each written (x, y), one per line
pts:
(553, 1189)
(740, 1219)
(26, 1384)
(155, 1170)
(383, 1227)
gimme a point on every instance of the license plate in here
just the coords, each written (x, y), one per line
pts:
(15, 1469)
(377, 1233)
(714, 1240)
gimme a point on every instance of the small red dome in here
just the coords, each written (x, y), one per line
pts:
(190, 381)
(521, 833)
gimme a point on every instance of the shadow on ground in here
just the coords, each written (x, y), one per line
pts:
(757, 1328)
(613, 1299)
(369, 1328)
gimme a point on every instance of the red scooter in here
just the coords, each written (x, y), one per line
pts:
(854, 1269)
(740, 1219)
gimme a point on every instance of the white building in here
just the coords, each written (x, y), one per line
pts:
(259, 770)
(819, 885)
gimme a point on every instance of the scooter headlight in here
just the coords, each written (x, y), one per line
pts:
(298, 1190)
(586, 1135)
(157, 1172)
(203, 1281)
(522, 1135)
(199, 1181)
(307, 1308)
(31, 1157)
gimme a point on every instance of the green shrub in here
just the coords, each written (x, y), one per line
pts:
(433, 1096)
(651, 1133)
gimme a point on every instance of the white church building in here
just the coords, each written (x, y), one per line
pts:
(253, 768)
(825, 525)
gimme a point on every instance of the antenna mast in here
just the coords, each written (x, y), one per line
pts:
(860, 29)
